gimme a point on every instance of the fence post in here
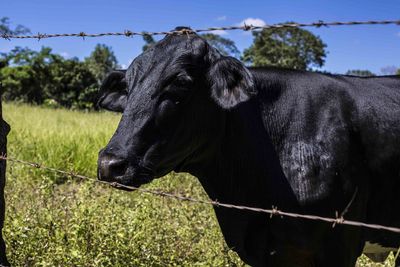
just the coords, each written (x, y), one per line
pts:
(4, 129)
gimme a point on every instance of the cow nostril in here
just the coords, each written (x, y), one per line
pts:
(117, 167)
(109, 168)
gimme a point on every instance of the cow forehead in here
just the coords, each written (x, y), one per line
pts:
(169, 50)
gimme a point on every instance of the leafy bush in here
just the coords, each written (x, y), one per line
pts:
(44, 77)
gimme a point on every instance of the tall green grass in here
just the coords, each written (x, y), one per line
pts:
(53, 220)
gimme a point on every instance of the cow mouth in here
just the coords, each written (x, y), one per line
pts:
(128, 179)
(130, 182)
(132, 178)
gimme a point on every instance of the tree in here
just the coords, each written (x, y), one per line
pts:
(149, 41)
(101, 61)
(286, 47)
(45, 77)
(226, 46)
(72, 85)
(17, 83)
(27, 75)
(398, 72)
(5, 29)
(361, 73)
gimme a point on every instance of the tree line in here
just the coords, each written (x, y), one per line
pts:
(43, 77)
(46, 78)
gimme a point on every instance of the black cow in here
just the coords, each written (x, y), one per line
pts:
(304, 142)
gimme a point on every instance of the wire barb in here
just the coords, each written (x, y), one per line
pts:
(215, 203)
(5, 36)
(128, 33)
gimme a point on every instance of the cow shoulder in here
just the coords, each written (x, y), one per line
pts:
(310, 118)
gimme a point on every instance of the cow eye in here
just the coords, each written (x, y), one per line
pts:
(182, 80)
(176, 94)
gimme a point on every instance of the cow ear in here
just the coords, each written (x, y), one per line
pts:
(231, 82)
(113, 92)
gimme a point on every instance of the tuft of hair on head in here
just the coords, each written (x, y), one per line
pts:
(180, 28)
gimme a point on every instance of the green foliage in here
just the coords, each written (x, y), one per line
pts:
(226, 46)
(361, 73)
(17, 83)
(5, 27)
(42, 77)
(286, 47)
(54, 220)
(27, 74)
(101, 61)
(73, 85)
(398, 72)
(149, 41)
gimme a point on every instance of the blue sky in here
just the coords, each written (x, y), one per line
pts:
(355, 47)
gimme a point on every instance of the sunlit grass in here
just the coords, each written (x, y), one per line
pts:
(58, 221)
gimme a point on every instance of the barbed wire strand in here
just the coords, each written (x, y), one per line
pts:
(129, 33)
(273, 212)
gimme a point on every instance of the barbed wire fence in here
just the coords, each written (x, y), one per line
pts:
(274, 211)
(129, 33)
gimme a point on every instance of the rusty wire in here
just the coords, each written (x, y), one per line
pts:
(245, 27)
(274, 211)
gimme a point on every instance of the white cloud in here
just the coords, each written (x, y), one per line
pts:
(222, 18)
(253, 22)
(125, 66)
(64, 54)
(219, 32)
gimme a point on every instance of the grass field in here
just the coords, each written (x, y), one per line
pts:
(53, 220)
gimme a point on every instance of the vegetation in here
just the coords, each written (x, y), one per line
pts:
(53, 220)
(286, 47)
(47, 78)
(101, 61)
(5, 27)
(148, 41)
(226, 46)
(43, 77)
(361, 73)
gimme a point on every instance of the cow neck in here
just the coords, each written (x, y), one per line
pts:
(245, 168)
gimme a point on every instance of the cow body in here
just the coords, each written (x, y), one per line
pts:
(335, 137)
(304, 142)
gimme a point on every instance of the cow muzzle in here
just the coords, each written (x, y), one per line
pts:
(114, 169)
(110, 168)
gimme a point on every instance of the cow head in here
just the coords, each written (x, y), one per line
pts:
(173, 98)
